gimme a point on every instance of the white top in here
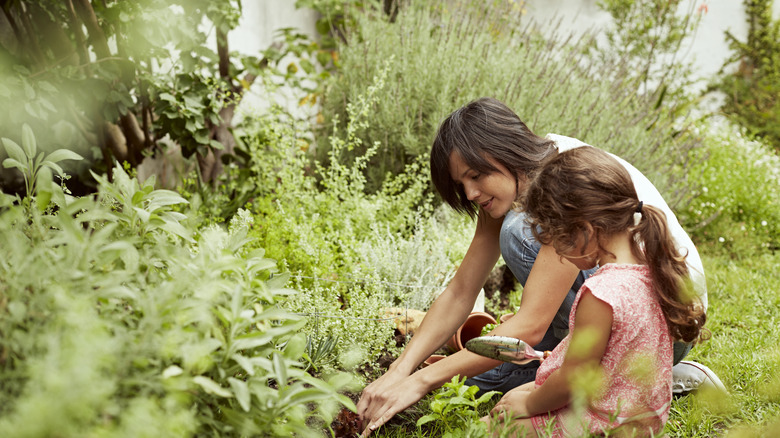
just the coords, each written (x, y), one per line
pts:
(648, 194)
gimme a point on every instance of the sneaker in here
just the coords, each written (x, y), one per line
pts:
(688, 376)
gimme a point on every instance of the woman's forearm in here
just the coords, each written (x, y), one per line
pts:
(452, 307)
(440, 322)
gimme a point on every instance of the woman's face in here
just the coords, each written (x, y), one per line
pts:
(494, 192)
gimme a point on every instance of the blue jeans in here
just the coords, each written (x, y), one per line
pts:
(519, 250)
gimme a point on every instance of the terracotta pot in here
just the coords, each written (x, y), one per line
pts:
(505, 318)
(470, 329)
(433, 359)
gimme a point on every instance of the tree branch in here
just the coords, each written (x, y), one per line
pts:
(96, 35)
(75, 26)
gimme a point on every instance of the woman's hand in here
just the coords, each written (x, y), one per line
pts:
(387, 396)
(514, 403)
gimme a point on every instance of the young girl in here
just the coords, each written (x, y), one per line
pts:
(481, 160)
(625, 316)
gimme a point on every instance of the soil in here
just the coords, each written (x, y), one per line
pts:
(501, 281)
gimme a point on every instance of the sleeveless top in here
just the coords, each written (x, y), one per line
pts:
(636, 366)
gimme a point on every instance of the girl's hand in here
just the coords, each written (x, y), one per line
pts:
(514, 403)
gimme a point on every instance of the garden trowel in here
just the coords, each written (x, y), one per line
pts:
(505, 349)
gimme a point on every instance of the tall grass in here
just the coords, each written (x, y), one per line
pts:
(454, 52)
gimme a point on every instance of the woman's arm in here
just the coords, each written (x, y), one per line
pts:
(592, 328)
(549, 281)
(399, 388)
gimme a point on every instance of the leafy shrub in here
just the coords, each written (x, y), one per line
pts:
(113, 78)
(736, 206)
(351, 253)
(752, 90)
(454, 408)
(445, 56)
(118, 319)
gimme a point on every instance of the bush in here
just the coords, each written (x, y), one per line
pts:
(445, 56)
(319, 222)
(736, 206)
(752, 90)
(118, 319)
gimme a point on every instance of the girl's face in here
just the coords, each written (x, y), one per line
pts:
(495, 192)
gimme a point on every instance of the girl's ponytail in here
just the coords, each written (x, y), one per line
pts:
(588, 186)
(684, 314)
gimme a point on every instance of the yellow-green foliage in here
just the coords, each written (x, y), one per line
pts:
(449, 53)
(118, 319)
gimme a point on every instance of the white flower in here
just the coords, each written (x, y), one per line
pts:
(763, 223)
(721, 239)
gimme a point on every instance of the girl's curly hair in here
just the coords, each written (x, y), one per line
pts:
(586, 185)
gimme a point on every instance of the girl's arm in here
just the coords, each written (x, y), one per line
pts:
(592, 328)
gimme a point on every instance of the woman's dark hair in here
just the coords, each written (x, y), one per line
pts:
(482, 129)
(588, 186)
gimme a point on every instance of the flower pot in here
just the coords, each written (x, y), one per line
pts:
(470, 329)
(433, 359)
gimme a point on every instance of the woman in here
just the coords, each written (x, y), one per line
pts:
(480, 162)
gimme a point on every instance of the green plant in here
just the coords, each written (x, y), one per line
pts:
(454, 408)
(752, 90)
(30, 163)
(313, 220)
(451, 54)
(112, 78)
(118, 319)
(743, 303)
(649, 36)
(736, 207)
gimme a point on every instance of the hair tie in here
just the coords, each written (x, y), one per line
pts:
(638, 213)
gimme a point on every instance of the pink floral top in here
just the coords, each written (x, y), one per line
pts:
(637, 364)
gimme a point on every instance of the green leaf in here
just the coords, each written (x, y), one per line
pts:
(241, 391)
(172, 371)
(487, 397)
(142, 214)
(177, 229)
(323, 26)
(167, 97)
(160, 198)
(211, 386)
(53, 166)
(426, 419)
(280, 370)
(43, 188)
(295, 346)
(63, 154)
(10, 162)
(14, 151)
(28, 141)
(245, 363)
(307, 66)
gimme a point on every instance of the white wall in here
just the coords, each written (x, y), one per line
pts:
(262, 18)
(707, 50)
(257, 30)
